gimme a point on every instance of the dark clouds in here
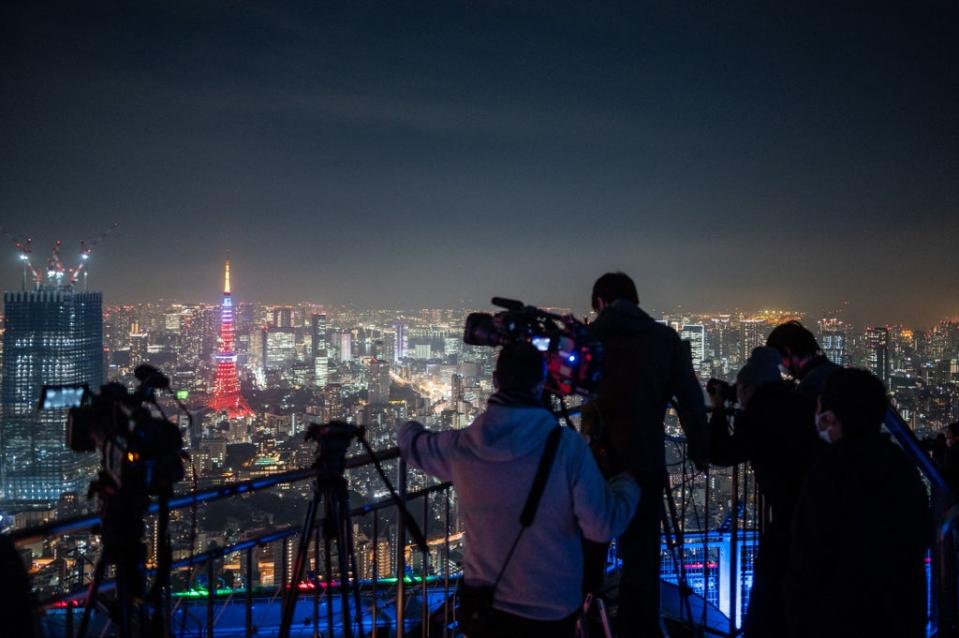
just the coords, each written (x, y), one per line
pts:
(426, 154)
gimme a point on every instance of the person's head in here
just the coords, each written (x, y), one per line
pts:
(761, 368)
(852, 404)
(952, 434)
(613, 286)
(795, 344)
(520, 368)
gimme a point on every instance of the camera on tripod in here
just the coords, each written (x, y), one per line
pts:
(573, 357)
(137, 448)
(332, 440)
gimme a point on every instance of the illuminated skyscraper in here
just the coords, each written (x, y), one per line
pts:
(379, 386)
(753, 336)
(279, 348)
(320, 354)
(695, 334)
(832, 338)
(283, 317)
(226, 391)
(400, 347)
(53, 335)
(877, 352)
(346, 346)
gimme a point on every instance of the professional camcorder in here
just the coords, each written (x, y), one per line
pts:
(573, 356)
(137, 448)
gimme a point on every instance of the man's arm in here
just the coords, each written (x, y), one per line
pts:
(425, 450)
(725, 448)
(690, 405)
(603, 510)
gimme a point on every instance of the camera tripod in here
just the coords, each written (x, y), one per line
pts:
(123, 513)
(330, 493)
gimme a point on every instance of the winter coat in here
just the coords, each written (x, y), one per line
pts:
(862, 526)
(492, 464)
(776, 434)
(646, 365)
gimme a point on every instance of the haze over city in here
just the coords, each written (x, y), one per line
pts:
(436, 155)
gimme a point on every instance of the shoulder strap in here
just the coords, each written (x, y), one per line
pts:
(535, 494)
(542, 474)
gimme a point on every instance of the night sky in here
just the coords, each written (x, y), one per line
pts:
(726, 154)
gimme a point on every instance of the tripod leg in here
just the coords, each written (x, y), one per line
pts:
(342, 560)
(351, 550)
(328, 533)
(98, 570)
(302, 551)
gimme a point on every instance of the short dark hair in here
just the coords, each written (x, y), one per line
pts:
(857, 398)
(613, 286)
(519, 367)
(794, 336)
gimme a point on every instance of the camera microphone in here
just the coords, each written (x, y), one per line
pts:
(510, 304)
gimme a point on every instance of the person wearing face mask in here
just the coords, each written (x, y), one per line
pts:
(772, 431)
(862, 525)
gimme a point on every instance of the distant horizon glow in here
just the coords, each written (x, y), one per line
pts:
(436, 155)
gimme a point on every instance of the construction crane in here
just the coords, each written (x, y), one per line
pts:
(86, 249)
(57, 273)
(25, 250)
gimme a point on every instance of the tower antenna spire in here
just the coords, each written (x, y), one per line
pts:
(226, 279)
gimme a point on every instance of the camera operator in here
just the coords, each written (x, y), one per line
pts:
(862, 524)
(771, 430)
(646, 366)
(802, 357)
(536, 590)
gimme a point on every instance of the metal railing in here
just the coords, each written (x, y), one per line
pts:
(404, 587)
(708, 553)
(944, 598)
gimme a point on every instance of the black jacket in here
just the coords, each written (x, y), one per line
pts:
(646, 365)
(775, 434)
(857, 565)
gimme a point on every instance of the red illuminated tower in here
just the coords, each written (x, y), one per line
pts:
(226, 392)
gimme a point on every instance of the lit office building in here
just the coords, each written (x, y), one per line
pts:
(832, 339)
(52, 336)
(877, 352)
(695, 334)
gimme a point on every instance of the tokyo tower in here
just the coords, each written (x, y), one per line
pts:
(226, 391)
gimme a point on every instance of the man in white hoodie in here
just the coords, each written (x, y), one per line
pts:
(492, 464)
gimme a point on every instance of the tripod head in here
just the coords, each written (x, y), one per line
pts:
(333, 439)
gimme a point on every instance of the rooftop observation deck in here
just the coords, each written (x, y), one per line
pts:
(237, 589)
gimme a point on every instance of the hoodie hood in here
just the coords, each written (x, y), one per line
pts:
(622, 318)
(507, 432)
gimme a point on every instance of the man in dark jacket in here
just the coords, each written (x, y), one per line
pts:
(772, 431)
(646, 366)
(857, 564)
(802, 357)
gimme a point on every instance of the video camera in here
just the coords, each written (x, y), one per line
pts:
(138, 449)
(573, 357)
(332, 440)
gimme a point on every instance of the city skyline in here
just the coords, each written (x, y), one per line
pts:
(443, 154)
